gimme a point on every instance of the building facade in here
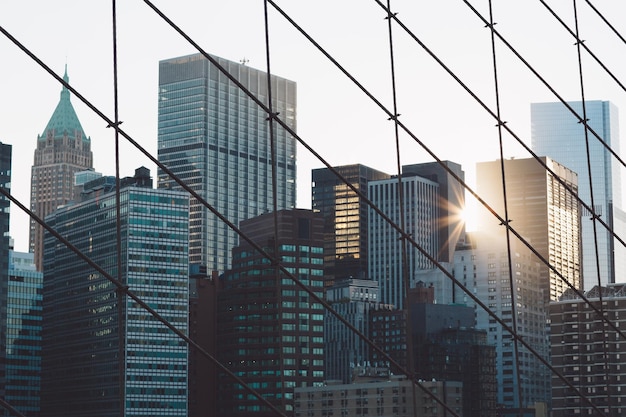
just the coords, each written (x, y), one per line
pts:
(216, 139)
(5, 246)
(557, 133)
(103, 353)
(62, 150)
(421, 216)
(482, 267)
(345, 218)
(541, 210)
(23, 334)
(353, 299)
(271, 331)
(587, 352)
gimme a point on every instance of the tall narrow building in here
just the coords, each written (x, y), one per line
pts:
(217, 140)
(103, 354)
(541, 210)
(5, 183)
(556, 133)
(62, 150)
(345, 219)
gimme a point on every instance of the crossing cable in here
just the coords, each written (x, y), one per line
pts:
(517, 138)
(8, 406)
(270, 120)
(593, 222)
(373, 206)
(401, 211)
(436, 158)
(512, 286)
(121, 322)
(194, 194)
(606, 21)
(575, 35)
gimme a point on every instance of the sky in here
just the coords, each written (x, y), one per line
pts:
(334, 116)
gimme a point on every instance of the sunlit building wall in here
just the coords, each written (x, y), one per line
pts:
(217, 139)
(93, 362)
(557, 133)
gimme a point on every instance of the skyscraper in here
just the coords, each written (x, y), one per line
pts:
(345, 219)
(216, 139)
(93, 361)
(5, 183)
(270, 331)
(541, 210)
(62, 150)
(556, 133)
(23, 334)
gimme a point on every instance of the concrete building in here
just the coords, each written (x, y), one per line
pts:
(217, 140)
(62, 150)
(271, 331)
(589, 353)
(103, 353)
(557, 133)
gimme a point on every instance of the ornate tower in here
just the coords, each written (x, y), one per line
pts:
(62, 149)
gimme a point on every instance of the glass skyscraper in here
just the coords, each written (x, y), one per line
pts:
(84, 336)
(216, 139)
(556, 133)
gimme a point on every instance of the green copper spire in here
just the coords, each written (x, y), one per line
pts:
(64, 118)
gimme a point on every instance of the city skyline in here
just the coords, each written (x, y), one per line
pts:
(349, 119)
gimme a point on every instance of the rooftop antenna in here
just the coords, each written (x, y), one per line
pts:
(244, 61)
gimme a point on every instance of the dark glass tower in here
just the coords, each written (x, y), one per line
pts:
(345, 219)
(83, 337)
(62, 150)
(5, 183)
(217, 140)
(270, 331)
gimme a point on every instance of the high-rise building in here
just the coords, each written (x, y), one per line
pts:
(5, 183)
(345, 218)
(101, 350)
(23, 334)
(588, 353)
(385, 251)
(541, 210)
(352, 299)
(217, 140)
(270, 331)
(556, 133)
(481, 265)
(62, 150)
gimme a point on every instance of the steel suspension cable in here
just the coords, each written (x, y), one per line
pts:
(604, 19)
(512, 286)
(593, 204)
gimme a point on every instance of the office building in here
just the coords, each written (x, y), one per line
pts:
(23, 325)
(481, 265)
(345, 218)
(271, 331)
(588, 352)
(421, 214)
(541, 210)
(5, 183)
(103, 353)
(217, 140)
(379, 396)
(62, 150)
(557, 133)
(353, 299)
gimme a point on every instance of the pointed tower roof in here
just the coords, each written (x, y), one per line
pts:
(64, 118)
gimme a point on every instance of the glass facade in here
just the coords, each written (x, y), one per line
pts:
(89, 326)
(216, 139)
(23, 334)
(421, 217)
(557, 134)
(5, 183)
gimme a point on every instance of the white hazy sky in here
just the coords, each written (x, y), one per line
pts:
(334, 117)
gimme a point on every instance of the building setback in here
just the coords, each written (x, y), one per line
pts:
(557, 133)
(271, 331)
(345, 218)
(93, 363)
(62, 150)
(217, 140)
(589, 353)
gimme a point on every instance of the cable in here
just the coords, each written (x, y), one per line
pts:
(606, 21)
